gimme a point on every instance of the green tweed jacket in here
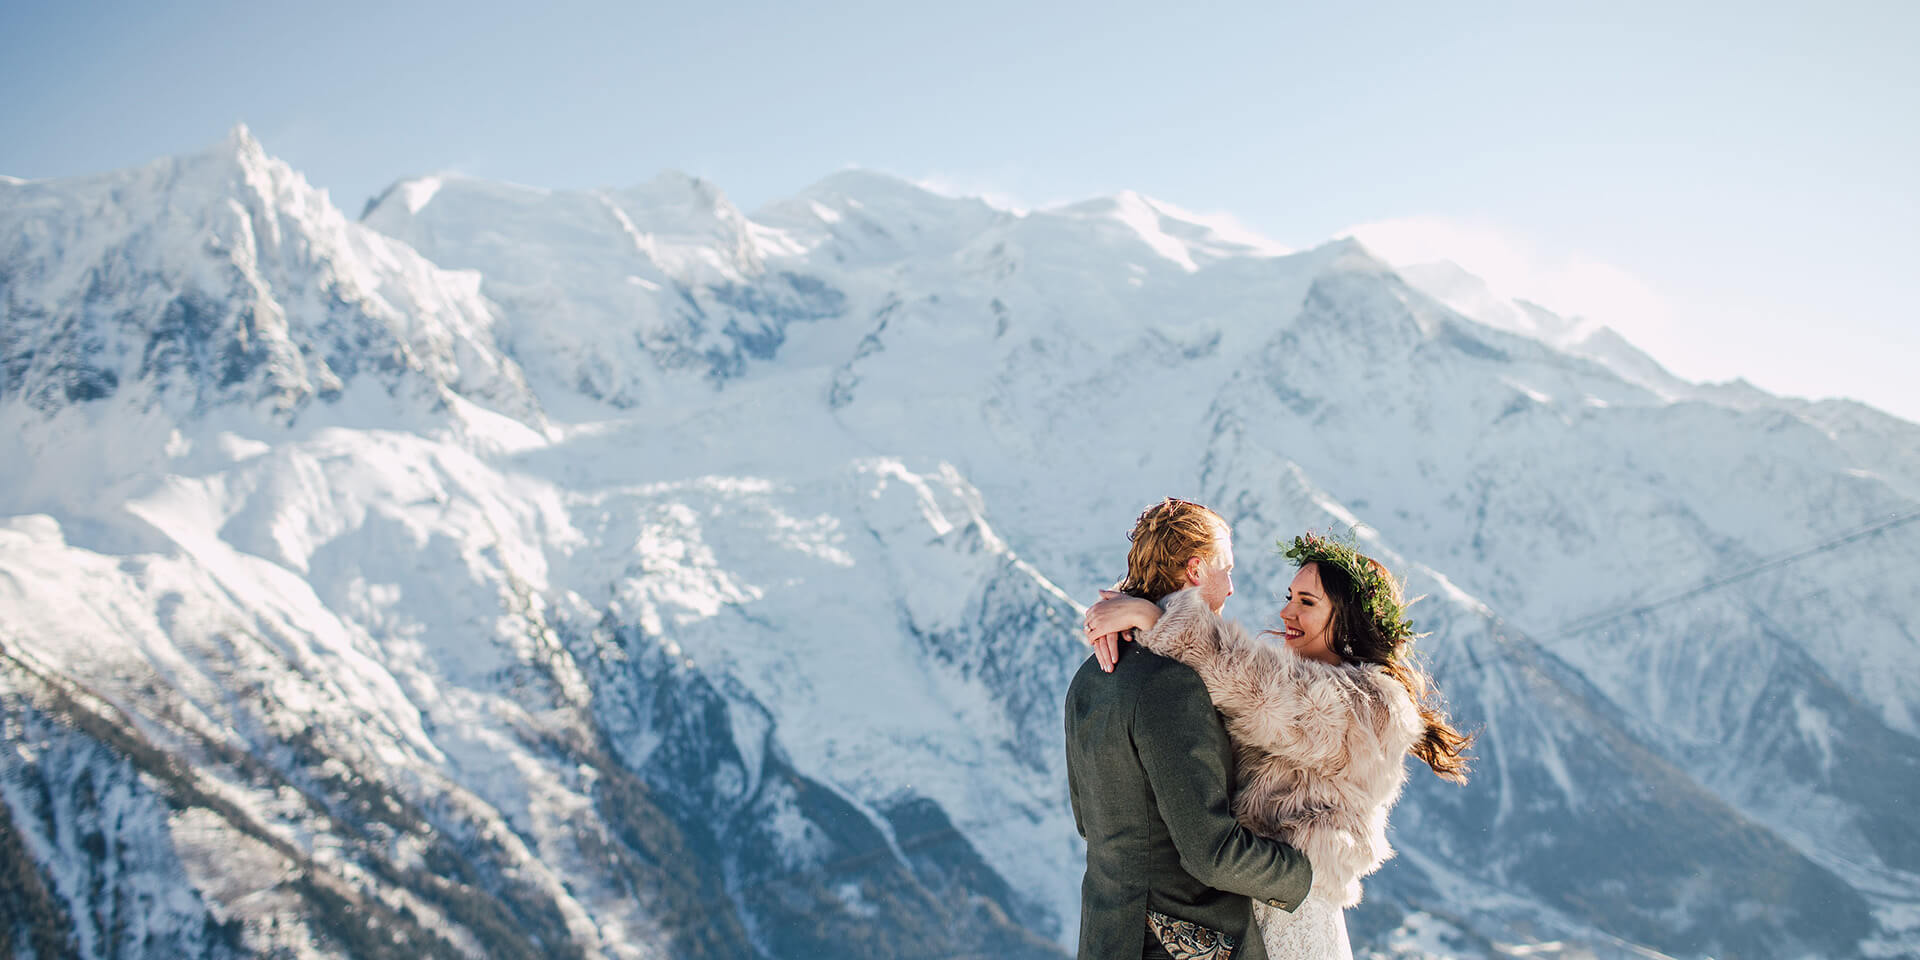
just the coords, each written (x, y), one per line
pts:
(1150, 770)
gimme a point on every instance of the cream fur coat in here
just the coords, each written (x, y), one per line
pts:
(1319, 749)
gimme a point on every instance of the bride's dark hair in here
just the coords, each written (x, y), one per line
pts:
(1358, 637)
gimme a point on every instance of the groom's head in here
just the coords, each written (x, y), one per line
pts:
(1179, 544)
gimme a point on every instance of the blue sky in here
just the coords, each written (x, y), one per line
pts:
(1732, 185)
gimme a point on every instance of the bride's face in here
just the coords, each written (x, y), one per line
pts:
(1309, 617)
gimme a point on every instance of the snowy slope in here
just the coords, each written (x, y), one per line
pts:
(737, 623)
(328, 632)
(1884, 444)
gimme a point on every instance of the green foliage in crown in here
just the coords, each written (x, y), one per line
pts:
(1378, 594)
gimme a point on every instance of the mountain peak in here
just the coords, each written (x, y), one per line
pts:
(1347, 246)
(248, 283)
(1189, 239)
(239, 149)
(241, 136)
(856, 189)
(859, 180)
(684, 197)
(868, 215)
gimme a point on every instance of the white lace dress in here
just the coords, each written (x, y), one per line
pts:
(1317, 930)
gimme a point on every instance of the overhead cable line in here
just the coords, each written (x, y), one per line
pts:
(1715, 583)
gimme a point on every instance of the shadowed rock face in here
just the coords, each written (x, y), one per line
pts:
(1694, 862)
(809, 873)
(758, 649)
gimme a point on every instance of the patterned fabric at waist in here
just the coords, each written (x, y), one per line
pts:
(1186, 940)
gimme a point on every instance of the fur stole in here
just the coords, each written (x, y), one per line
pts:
(1320, 749)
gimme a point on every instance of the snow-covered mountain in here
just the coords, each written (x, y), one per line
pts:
(519, 572)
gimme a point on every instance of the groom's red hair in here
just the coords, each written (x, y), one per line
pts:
(1165, 536)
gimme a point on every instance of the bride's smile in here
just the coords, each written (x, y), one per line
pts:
(1308, 617)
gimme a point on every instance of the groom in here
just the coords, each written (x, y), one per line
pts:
(1149, 769)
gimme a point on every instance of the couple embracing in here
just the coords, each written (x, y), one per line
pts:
(1232, 790)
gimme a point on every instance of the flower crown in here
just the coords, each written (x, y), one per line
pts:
(1378, 594)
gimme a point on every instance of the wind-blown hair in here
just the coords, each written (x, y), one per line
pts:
(1165, 536)
(1359, 636)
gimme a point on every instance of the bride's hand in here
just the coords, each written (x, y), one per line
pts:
(1110, 620)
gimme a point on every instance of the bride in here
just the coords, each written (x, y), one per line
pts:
(1321, 723)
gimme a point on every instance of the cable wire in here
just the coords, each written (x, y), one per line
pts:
(1711, 584)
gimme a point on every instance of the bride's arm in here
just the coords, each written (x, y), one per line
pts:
(1119, 613)
(1266, 692)
(1114, 619)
